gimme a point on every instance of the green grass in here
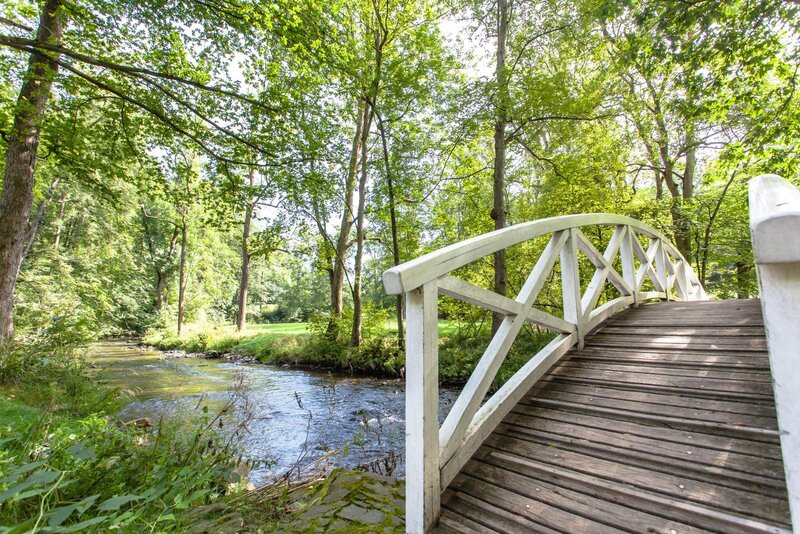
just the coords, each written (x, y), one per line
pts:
(298, 344)
(13, 411)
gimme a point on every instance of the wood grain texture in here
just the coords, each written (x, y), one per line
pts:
(678, 435)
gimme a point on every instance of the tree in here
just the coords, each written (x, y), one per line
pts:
(162, 85)
(20, 164)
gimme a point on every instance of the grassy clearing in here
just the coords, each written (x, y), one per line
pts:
(304, 344)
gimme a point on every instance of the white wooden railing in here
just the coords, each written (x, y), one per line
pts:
(435, 455)
(775, 229)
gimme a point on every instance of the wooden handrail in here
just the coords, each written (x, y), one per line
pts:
(412, 274)
(435, 455)
(775, 230)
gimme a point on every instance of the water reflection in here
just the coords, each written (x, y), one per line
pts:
(297, 417)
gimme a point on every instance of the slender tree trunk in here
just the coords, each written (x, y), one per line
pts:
(244, 280)
(161, 274)
(355, 332)
(499, 185)
(346, 225)
(59, 224)
(182, 275)
(742, 279)
(37, 219)
(23, 143)
(393, 223)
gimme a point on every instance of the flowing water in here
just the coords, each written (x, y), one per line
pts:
(295, 418)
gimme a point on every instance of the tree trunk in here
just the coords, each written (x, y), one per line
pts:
(161, 274)
(355, 332)
(244, 280)
(59, 224)
(395, 241)
(182, 276)
(343, 241)
(18, 178)
(742, 279)
(37, 219)
(499, 186)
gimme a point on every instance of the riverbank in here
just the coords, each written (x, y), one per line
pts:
(304, 346)
(69, 462)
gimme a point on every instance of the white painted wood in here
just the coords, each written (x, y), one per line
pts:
(464, 291)
(775, 230)
(601, 313)
(571, 285)
(605, 260)
(605, 270)
(774, 220)
(497, 407)
(646, 269)
(422, 410)
(435, 456)
(681, 281)
(461, 414)
(661, 269)
(628, 264)
(414, 273)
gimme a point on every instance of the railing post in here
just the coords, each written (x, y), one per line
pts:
(422, 410)
(775, 230)
(661, 268)
(628, 265)
(571, 285)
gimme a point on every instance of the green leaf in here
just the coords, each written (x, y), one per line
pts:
(82, 451)
(84, 524)
(114, 503)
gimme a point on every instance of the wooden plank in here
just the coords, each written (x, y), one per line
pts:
(642, 499)
(702, 412)
(478, 296)
(585, 512)
(454, 523)
(738, 361)
(454, 428)
(701, 330)
(689, 342)
(729, 469)
(756, 390)
(741, 375)
(495, 488)
(648, 429)
(673, 485)
(725, 429)
(661, 402)
(696, 393)
(755, 358)
(495, 518)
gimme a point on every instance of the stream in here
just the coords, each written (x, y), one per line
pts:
(296, 419)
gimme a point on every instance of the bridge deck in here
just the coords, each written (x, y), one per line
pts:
(664, 422)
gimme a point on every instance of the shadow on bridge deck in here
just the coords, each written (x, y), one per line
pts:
(664, 422)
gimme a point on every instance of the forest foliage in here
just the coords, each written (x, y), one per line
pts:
(171, 166)
(234, 162)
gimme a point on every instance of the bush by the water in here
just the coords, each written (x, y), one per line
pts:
(325, 342)
(67, 465)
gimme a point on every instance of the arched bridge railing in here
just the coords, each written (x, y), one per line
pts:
(435, 455)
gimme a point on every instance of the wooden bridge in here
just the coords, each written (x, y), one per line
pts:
(654, 409)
